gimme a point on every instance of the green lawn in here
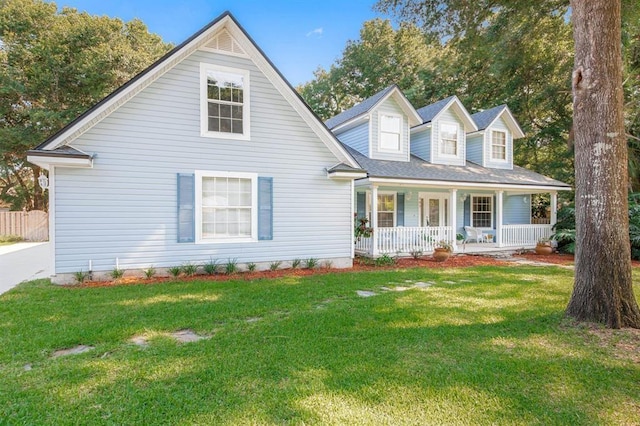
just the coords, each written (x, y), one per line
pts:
(485, 345)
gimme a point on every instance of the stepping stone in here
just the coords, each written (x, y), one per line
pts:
(27, 367)
(466, 281)
(253, 319)
(72, 351)
(420, 284)
(385, 289)
(187, 336)
(449, 282)
(400, 288)
(139, 340)
(364, 293)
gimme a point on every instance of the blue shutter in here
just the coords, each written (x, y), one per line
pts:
(466, 218)
(400, 210)
(265, 208)
(186, 208)
(361, 204)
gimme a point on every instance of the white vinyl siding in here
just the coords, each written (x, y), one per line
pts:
(475, 149)
(389, 108)
(517, 209)
(125, 206)
(225, 101)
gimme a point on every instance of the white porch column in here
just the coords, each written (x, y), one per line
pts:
(453, 199)
(499, 217)
(554, 208)
(374, 219)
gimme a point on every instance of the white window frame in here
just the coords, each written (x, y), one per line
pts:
(246, 101)
(441, 139)
(199, 175)
(492, 144)
(471, 211)
(380, 132)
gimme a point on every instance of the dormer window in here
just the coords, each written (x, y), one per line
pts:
(390, 132)
(498, 145)
(224, 102)
(449, 139)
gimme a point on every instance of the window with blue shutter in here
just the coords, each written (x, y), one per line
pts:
(400, 210)
(265, 208)
(186, 208)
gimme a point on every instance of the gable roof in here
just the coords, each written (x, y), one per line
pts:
(370, 103)
(430, 112)
(225, 21)
(420, 170)
(486, 118)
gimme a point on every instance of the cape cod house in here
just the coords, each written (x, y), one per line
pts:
(207, 154)
(437, 173)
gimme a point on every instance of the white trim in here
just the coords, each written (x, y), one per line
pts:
(370, 144)
(400, 149)
(353, 200)
(199, 174)
(420, 127)
(466, 117)
(516, 129)
(349, 124)
(346, 175)
(52, 218)
(490, 197)
(246, 102)
(47, 162)
(460, 185)
(504, 160)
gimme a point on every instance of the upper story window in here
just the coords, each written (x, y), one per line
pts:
(225, 102)
(498, 145)
(390, 132)
(449, 139)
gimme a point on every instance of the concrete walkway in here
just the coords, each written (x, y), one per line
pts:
(23, 262)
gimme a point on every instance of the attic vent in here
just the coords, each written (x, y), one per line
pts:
(223, 41)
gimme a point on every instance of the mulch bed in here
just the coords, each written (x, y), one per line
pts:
(559, 258)
(458, 261)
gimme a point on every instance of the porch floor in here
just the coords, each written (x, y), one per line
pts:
(480, 248)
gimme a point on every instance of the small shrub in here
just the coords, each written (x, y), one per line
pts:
(310, 263)
(385, 260)
(296, 263)
(189, 269)
(251, 266)
(231, 267)
(117, 273)
(150, 272)
(274, 265)
(175, 271)
(211, 267)
(416, 253)
(80, 276)
(328, 264)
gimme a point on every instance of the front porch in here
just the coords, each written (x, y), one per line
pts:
(407, 240)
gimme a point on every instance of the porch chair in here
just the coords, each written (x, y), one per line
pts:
(473, 234)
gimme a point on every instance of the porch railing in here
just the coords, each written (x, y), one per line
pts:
(406, 239)
(524, 235)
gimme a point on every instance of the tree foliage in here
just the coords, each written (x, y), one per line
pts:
(53, 66)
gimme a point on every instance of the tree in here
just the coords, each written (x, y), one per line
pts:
(53, 66)
(603, 289)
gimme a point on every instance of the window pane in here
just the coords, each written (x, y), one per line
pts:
(390, 141)
(236, 126)
(236, 111)
(225, 125)
(225, 111)
(390, 124)
(213, 91)
(385, 219)
(214, 125)
(214, 109)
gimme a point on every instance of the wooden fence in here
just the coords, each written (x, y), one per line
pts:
(31, 226)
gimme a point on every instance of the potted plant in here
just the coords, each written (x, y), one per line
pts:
(543, 247)
(442, 251)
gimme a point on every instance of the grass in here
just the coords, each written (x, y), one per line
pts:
(6, 240)
(483, 345)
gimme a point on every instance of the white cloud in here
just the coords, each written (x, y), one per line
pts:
(317, 32)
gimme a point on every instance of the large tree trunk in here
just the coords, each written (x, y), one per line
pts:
(603, 289)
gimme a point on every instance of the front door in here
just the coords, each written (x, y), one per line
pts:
(434, 209)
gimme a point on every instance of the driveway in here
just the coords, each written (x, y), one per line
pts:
(23, 262)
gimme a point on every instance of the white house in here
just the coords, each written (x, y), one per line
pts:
(207, 154)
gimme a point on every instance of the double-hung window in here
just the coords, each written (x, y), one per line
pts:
(482, 211)
(498, 145)
(386, 210)
(449, 139)
(226, 206)
(225, 102)
(390, 132)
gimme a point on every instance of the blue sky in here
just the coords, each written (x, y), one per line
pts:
(297, 35)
